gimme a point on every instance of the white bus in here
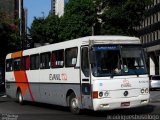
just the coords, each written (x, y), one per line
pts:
(94, 72)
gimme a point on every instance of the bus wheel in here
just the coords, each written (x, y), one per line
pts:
(73, 104)
(19, 97)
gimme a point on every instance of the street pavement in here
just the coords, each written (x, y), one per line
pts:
(11, 110)
(155, 96)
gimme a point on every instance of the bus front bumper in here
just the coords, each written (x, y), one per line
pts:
(120, 103)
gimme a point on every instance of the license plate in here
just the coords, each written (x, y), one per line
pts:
(124, 104)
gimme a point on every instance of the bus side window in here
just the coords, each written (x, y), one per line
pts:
(57, 59)
(71, 57)
(17, 64)
(25, 63)
(34, 62)
(45, 60)
(9, 65)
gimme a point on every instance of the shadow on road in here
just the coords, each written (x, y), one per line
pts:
(132, 111)
(48, 106)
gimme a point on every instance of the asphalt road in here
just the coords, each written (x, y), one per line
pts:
(10, 110)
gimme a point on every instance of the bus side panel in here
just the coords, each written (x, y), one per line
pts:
(10, 84)
(55, 83)
(22, 80)
(56, 93)
(33, 82)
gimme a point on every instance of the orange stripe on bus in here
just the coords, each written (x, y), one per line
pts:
(21, 81)
(21, 77)
(16, 54)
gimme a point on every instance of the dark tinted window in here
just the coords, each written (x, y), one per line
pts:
(9, 65)
(57, 59)
(17, 64)
(34, 62)
(45, 60)
(71, 57)
(25, 63)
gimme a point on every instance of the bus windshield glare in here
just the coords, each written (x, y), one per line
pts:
(118, 60)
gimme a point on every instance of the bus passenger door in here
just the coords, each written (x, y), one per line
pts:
(85, 79)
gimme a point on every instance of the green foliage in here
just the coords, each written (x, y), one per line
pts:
(88, 17)
(52, 33)
(9, 33)
(37, 30)
(9, 37)
(45, 30)
(121, 16)
(78, 19)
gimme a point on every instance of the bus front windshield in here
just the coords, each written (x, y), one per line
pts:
(118, 60)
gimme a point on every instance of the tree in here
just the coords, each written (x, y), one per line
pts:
(78, 20)
(9, 37)
(45, 30)
(37, 30)
(90, 17)
(52, 26)
(121, 16)
(9, 33)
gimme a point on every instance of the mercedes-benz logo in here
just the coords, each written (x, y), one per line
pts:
(125, 93)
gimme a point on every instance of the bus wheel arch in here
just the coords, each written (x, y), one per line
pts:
(19, 97)
(72, 102)
(69, 92)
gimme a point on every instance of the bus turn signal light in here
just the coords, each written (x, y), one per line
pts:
(95, 94)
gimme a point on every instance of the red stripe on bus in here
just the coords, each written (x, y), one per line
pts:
(21, 77)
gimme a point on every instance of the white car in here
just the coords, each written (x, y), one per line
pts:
(154, 82)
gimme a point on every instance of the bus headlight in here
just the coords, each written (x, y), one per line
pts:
(106, 93)
(100, 94)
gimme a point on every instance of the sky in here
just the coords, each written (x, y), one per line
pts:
(36, 8)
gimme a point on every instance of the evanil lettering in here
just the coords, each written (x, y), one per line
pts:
(54, 77)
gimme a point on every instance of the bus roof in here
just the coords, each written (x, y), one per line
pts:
(113, 39)
(107, 39)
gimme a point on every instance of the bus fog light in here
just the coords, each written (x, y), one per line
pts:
(106, 93)
(142, 90)
(104, 105)
(100, 94)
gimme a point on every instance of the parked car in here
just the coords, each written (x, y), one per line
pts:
(154, 82)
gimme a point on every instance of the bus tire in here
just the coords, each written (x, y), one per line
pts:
(73, 104)
(20, 97)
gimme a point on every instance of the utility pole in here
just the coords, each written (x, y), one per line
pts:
(20, 24)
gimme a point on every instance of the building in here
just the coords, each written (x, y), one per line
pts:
(14, 9)
(57, 7)
(10, 7)
(149, 33)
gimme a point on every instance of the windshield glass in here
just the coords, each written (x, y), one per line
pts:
(117, 60)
